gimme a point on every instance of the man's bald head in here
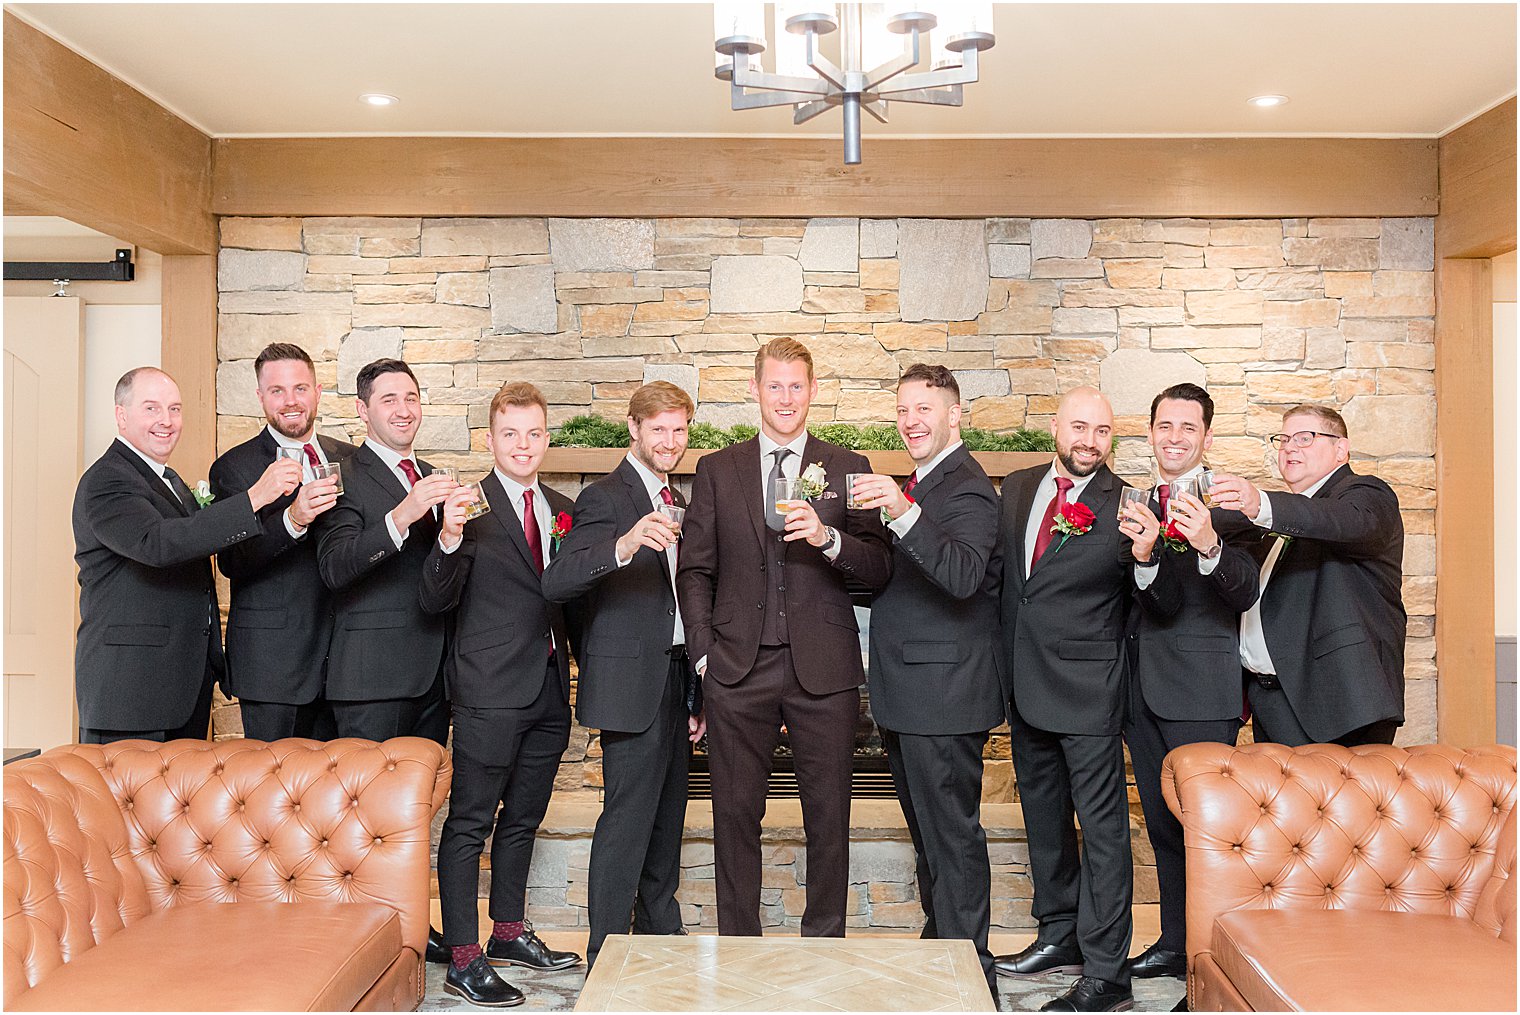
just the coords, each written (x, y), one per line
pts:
(128, 381)
(1084, 431)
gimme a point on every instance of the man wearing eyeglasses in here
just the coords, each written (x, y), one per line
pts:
(1323, 648)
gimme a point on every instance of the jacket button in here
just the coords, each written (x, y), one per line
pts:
(671, 611)
(759, 606)
(1023, 600)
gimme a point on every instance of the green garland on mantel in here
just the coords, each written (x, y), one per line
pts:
(598, 432)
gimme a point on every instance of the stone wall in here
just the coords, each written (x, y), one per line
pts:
(1265, 313)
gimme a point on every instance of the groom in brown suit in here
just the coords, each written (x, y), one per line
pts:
(770, 625)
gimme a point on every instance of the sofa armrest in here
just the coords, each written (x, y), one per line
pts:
(346, 821)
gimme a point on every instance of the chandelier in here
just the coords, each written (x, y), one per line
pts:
(878, 45)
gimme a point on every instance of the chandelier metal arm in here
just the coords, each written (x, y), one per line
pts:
(745, 77)
(951, 96)
(963, 75)
(761, 100)
(822, 65)
(905, 61)
(877, 109)
(807, 110)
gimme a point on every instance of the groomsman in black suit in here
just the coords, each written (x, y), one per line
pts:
(636, 683)
(150, 641)
(509, 685)
(769, 619)
(385, 666)
(1184, 649)
(1323, 648)
(281, 617)
(1065, 586)
(935, 687)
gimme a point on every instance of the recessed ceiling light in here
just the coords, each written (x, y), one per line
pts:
(378, 99)
(1265, 101)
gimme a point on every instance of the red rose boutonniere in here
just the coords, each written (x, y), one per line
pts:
(1173, 538)
(561, 529)
(1074, 519)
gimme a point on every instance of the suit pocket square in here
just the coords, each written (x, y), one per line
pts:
(151, 635)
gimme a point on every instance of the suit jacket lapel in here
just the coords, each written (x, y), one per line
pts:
(937, 475)
(746, 463)
(378, 471)
(507, 515)
(1025, 504)
(1092, 494)
(638, 497)
(154, 481)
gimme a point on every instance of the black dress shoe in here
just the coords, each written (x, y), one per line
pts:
(1039, 959)
(1158, 961)
(437, 951)
(478, 984)
(528, 949)
(1092, 994)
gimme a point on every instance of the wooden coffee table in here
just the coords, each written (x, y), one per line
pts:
(709, 973)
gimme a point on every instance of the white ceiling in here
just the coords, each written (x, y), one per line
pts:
(638, 69)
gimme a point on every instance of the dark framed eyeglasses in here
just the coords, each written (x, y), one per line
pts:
(1302, 439)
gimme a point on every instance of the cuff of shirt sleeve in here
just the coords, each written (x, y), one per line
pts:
(397, 536)
(903, 523)
(290, 526)
(1263, 517)
(1206, 565)
(1145, 574)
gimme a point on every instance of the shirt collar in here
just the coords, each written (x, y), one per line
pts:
(1077, 485)
(390, 457)
(1322, 481)
(652, 483)
(1192, 473)
(923, 470)
(796, 447)
(291, 442)
(515, 489)
(157, 467)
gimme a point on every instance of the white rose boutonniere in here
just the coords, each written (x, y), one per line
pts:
(813, 481)
(203, 494)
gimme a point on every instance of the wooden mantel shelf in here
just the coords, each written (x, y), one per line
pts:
(598, 461)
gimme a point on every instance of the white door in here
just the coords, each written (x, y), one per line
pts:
(43, 460)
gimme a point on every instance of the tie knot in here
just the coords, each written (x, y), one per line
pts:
(311, 455)
(406, 466)
(665, 495)
(780, 454)
(1063, 484)
(528, 498)
(1163, 490)
(171, 475)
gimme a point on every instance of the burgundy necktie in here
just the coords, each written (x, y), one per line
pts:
(1056, 503)
(910, 484)
(407, 467)
(665, 496)
(531, 533)
(311, 455)
(1163, 491)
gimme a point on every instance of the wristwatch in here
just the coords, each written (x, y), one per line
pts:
(1213, 551)
(833, 540)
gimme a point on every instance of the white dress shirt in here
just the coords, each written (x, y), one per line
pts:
(653, 485)
(157, 467)
(392, 460)
(1146, 573)
(1043, 495)
(791, 467)
(903, 523)
(306, 474)
(1253, 637)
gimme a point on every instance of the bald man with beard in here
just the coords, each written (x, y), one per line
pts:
(1063, 591)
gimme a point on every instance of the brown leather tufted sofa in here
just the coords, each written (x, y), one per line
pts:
(1323, 878)
(239, 875)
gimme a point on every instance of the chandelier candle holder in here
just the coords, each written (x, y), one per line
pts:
(879, 45)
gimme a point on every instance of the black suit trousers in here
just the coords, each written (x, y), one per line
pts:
(1080, 897)
(506, 758)
(1150, 737)
(939, 784)
(743, 724)
(275, 720)
(426, 715)
(636, 848)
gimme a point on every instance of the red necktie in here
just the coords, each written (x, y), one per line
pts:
(311, 455)
(665, 496)
(531, 533)
(1056, 503)
(910, 484)
(411, 471)
(1163, 491)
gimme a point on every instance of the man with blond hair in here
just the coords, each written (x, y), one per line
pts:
(762, 585)
(509, 686)
(1323, 648)
(636, 685)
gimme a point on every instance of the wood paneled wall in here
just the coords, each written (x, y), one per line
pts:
(950, 178)
(1477, 221)
(85, 146)
(189, 355)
